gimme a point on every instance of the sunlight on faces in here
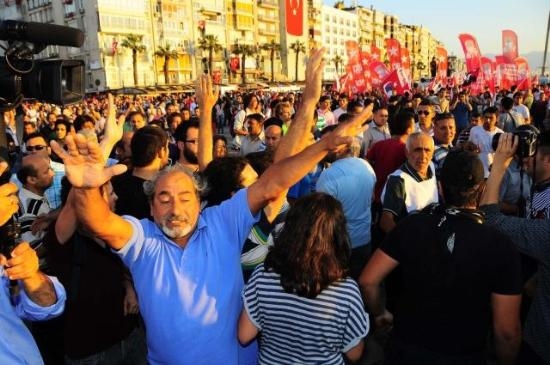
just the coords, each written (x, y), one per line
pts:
(175, 206)
(420, 150)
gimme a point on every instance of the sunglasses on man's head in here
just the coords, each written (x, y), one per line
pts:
(35, 148)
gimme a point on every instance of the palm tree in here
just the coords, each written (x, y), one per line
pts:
(167, 53)
(272, 47)
(244, 50)
(211, 44)
(297, 47)
(337, 60)
(133, 42)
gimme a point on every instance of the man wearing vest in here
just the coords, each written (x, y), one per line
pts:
(411, 187)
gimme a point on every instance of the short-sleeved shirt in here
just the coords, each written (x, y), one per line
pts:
(302, 330)
(351, 181)
(385, 157)
(483, 139)
(443, 304)
(406, 191)
(189, 297)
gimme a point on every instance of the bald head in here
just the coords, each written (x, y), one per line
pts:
(273, 135)
(35, 173)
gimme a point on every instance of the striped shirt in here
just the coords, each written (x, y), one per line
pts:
(301, 330)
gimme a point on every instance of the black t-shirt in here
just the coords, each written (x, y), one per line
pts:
(445, 299)
(131, 197)
(94, 311)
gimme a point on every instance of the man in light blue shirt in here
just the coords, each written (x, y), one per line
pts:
(351, 181)
(39, 298)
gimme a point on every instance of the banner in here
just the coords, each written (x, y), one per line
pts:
(509, 45)
(471, 53)
(355, 67)
(523, 79)
(365, 62)
(508, 75)
(442, 65)
(393, 51)
(488, 70)
(294, 17)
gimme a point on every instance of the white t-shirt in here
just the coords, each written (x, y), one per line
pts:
(483, 139)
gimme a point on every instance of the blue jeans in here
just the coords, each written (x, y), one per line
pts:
(130, 351)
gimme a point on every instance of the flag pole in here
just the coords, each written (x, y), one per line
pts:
(546, 45)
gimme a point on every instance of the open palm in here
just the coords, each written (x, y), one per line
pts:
(84, 163)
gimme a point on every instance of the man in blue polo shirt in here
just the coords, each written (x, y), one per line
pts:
(186, 264)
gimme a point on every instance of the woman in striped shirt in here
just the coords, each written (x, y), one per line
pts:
(301, 299)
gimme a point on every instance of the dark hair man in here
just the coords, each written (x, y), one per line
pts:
(459, 278)
(444, 134)
(187, 139)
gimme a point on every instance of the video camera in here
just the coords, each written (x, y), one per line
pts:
(58, 81)
(527, 140)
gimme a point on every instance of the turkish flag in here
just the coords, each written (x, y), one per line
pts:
(393, 50)
(395, 83)
(471, 52)
(509, 45)
(294, 17)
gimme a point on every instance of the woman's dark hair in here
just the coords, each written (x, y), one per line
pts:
(223, 176)
(313, 248)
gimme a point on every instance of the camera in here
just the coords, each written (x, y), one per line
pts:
(527, 140)
(57, 81)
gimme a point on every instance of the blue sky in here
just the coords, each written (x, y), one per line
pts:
(484, 19)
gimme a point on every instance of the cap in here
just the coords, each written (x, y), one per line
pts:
(462, 169)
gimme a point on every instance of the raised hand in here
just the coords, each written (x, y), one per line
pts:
(113, 129)
(207, 94)
(84, 162)
(345, 132)
(314, 75)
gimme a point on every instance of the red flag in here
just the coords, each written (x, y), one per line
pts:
(488, 69)
(471, 52)
(393, 50)
(395, 83)
(442, 65)
(378, 72)
(523, 74)
(357, 84)
(374, 53)
(508, 75)
(509, 45)
(294, 17)
(365, 62)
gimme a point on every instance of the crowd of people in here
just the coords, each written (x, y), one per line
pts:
(277, 228)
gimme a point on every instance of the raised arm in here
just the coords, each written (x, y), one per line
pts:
(283, 174)
(206, 95)
(84, 167)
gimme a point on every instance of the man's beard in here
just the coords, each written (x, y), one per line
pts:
(190, 156)
(177, 232)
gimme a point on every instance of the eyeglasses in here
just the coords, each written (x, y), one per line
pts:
(425, 112)
(192, 141)
(35, 148)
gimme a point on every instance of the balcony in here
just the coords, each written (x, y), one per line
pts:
(268, 18)
(273, 4)
(267, 32)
